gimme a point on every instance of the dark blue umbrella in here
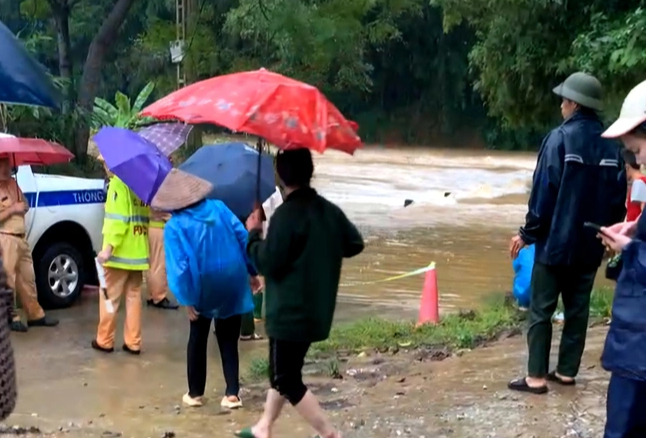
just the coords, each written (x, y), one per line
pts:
(22, 79)
(233, 170)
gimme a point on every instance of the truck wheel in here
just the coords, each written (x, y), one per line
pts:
(59, 276)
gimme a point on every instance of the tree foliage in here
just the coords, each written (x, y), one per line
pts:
(526, 47)
(447, 72)
(614, 48)
(123, 113)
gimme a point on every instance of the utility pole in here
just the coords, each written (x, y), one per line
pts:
(178, 47)
(190, 10)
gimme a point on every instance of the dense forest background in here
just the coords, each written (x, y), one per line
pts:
(459, 73)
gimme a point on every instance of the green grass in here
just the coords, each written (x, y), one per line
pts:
(600, 303)
(455, 331)
(258, 370)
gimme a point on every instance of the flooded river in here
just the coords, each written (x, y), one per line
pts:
(466, 206)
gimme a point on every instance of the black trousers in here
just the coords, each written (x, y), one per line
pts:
(227, 332)
(574, 285)
(286, 360)
(626, 408)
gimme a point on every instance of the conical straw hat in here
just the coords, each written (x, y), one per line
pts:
(179, 190)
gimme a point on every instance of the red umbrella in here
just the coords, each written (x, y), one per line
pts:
(34, 151)
(283, 111)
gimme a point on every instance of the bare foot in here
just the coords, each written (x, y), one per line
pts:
(534, 382)
(563, 378)
(260, 432)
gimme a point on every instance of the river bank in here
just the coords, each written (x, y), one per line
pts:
(456, 333)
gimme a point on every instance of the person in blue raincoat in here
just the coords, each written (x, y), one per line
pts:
(523, 266)
(209, 273)
(624, 353)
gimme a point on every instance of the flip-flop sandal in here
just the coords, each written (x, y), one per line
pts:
(245, 433)
(521, 385)
(254, 337)
(552, 377)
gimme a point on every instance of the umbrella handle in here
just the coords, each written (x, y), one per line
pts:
(18, 195)
(258, 203)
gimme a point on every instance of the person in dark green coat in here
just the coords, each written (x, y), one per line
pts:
(301, 259)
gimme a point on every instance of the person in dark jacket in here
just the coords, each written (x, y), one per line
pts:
(624, 353)
(578, 179)
(301, 259)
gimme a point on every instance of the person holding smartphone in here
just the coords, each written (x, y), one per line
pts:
(624, 353)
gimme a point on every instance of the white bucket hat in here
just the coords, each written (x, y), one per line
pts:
(633, 113)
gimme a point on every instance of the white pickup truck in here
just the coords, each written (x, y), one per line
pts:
(64, 232)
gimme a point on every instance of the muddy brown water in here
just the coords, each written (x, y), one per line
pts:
(466, 206)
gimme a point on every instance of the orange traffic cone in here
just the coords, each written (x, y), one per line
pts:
(429, 309)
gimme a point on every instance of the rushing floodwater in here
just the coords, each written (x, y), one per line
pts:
(466, 206)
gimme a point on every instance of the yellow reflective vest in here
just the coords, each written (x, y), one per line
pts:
(125, 227)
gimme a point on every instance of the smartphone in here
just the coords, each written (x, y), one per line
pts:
(597, 228)
(592, 225)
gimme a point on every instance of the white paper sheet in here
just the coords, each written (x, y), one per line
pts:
(100, 273)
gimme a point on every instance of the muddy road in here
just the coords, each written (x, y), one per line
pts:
(67, 389)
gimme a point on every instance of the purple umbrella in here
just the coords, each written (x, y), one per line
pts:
(168, 137)
(135, 160)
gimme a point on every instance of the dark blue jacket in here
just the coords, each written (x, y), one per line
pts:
(625, 349)
(578, 178)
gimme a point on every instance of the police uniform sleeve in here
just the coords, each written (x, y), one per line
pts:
(21, 197)
(115, 222)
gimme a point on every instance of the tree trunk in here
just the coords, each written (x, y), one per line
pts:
(91, 79)
(61, 12)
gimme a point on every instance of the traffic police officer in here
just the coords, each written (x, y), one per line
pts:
(17, 258)
(125, 256)
(156, 276)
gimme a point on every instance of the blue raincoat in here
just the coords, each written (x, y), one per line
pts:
(206, 261)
